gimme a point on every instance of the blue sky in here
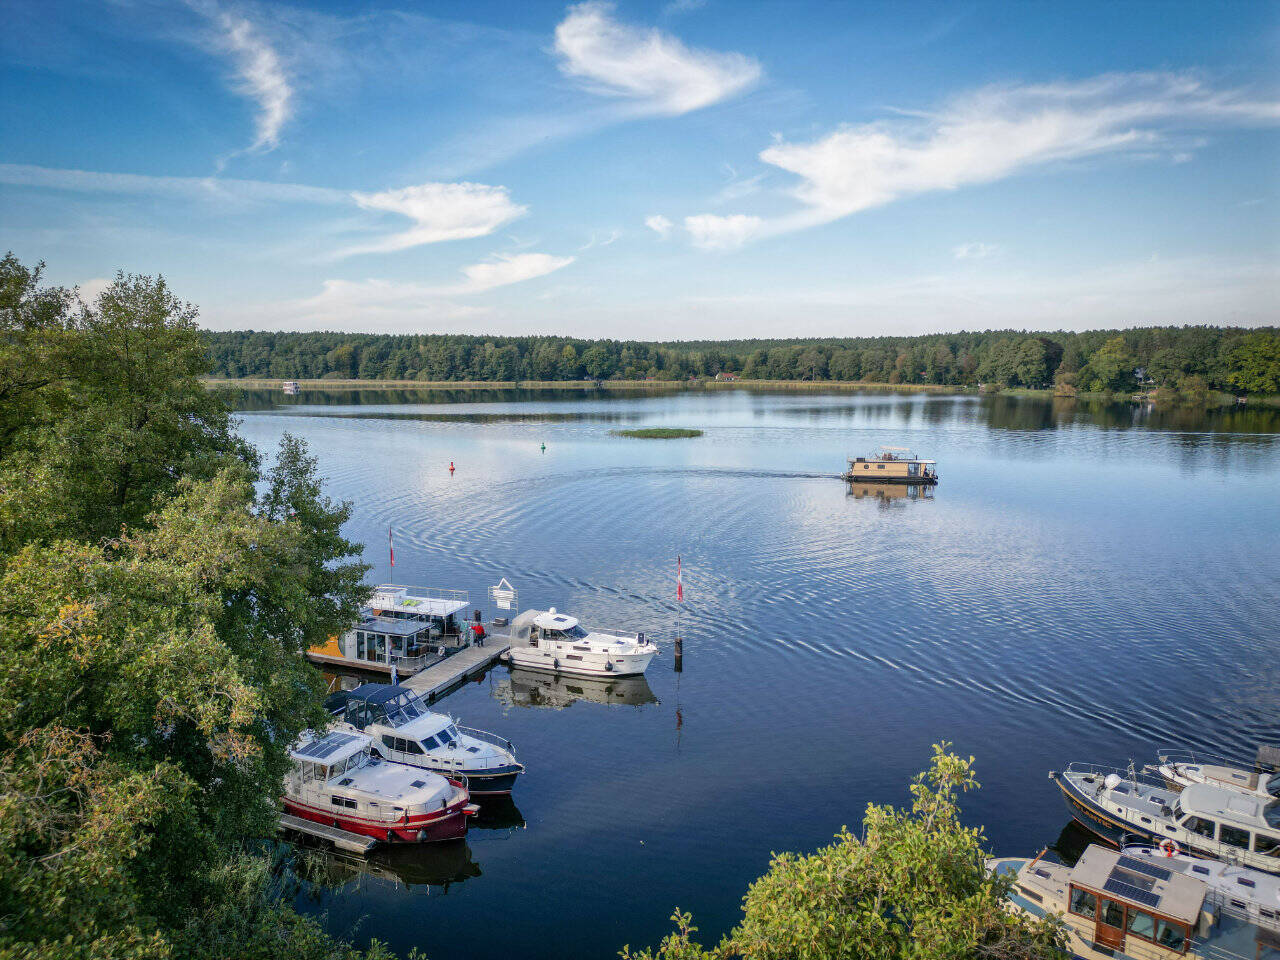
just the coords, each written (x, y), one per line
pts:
(695, 168)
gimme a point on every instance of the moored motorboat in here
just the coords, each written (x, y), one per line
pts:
(336, 781)
(1202, 819)
(548, 640)
(1184, 768)
(1126, 904)
(404, 730)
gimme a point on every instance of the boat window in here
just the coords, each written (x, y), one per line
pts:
(1171, 935)
(1112, 914)
(389, 741)
(1142, 924)
(1121, 788)
(575, 632)
(429, 743)
(1083, 902)
(1234, 837)
(1272, 814)
(1245, 882)
(1268, 845)
(411, 746)
(1201, 870)
(448, 734)
(1200, 825)
(1030, 894)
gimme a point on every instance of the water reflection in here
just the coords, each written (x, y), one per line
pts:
(497, 812)
(438, 865)
(891, 494)
(257, 400)
(529, 688)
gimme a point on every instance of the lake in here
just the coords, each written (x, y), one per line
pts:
(1087, 582)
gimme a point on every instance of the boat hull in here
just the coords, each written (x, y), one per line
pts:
(864, 478)
(1089, 815)
(493, 781)
(629, 666)
(447, 824)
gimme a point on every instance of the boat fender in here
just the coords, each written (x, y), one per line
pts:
(391, 836)
(608, 665)
(555, 662)
(1169, 847)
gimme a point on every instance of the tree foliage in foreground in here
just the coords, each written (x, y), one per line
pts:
(912, 887)
(158, 589)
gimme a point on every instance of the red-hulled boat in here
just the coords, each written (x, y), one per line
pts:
(336, 781)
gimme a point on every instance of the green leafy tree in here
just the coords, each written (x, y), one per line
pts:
(1255, 363)
(913, 886)
(1109, 368)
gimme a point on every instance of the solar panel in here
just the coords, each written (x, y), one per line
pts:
(1142, 866)
(319, 749)
(1130, 892)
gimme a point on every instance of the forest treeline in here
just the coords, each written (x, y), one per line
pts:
(1221, 358)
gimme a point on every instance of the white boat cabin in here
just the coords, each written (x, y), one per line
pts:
(549, 640)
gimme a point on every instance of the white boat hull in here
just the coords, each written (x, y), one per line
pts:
(589, 665)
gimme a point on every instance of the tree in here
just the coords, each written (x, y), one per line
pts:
(1255, 363)
(150, 680)
(914, 885)
(1110, 368)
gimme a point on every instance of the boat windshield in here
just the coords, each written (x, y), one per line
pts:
(1272, 814)
(575, 633)
(1273, 785)
(449, 733)
(405, 708)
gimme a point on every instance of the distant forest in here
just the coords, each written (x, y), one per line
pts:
(1196, 358)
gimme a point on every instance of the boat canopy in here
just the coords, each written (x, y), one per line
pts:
(1144, 884)
(1209, 801)
(332, 748)
(555, 621)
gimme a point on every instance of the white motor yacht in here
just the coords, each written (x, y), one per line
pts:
(556, 642)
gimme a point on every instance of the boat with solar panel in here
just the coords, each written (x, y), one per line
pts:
(336, 780)
(1137, 903)
(548, 640)
(1203, 819)
(1185, 768)
(404, 730)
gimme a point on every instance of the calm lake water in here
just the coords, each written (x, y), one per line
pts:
(1086, 583)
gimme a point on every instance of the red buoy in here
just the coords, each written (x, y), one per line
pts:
(451, 466)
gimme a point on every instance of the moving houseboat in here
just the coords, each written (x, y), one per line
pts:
(1181, 769)
(558, 643)
(1126, 904)
(408, 628)
(1202, 819)
(405, 731)
(335, 780)
(893, 465)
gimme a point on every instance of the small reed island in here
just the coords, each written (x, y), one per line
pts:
(658, 433)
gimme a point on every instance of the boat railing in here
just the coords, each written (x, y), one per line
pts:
(429, 593)
(1128, 774)
(1181, 755)
(487, 737)
(414, 664)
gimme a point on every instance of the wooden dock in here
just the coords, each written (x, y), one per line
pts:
(342, 839)
(435, 681)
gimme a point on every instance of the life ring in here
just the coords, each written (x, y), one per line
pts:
(1169, 847)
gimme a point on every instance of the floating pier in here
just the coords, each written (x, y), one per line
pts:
(342, 839)
(437, 680)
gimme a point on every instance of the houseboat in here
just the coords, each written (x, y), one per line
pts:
(892, 465)
(548, 640)
(405, 731)
(1202, 819)
(408, 628)
(290, 387)
(1121, 904)
(335, 780)
(1181, 769)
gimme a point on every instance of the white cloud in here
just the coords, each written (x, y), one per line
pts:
(601, 240)
(90, 290)
(220, 189)
(507, 270)
(659, 225)
(975, 251)
(260, 73)
(710, 232)
(375, 304)
(440, 211)
(653, 69)
(998, 132)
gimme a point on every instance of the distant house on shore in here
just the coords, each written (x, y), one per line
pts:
(290, 387)
(725, 376)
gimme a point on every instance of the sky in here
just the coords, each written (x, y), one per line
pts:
(679, 169)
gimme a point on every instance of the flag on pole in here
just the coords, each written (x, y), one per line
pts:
(679, 581)
(391, 546)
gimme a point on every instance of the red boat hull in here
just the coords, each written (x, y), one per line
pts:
(449, 823)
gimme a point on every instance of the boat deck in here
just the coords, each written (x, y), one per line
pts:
(435, 681)
(342, 839)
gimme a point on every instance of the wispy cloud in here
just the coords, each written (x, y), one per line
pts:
(994, 133)
(440, 211)
(260, 73)
(659, 225)
(975, 251)
(711, 232)
(601, 240)
(652, 69)
(376, 304)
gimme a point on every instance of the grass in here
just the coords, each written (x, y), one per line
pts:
(657, 433)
